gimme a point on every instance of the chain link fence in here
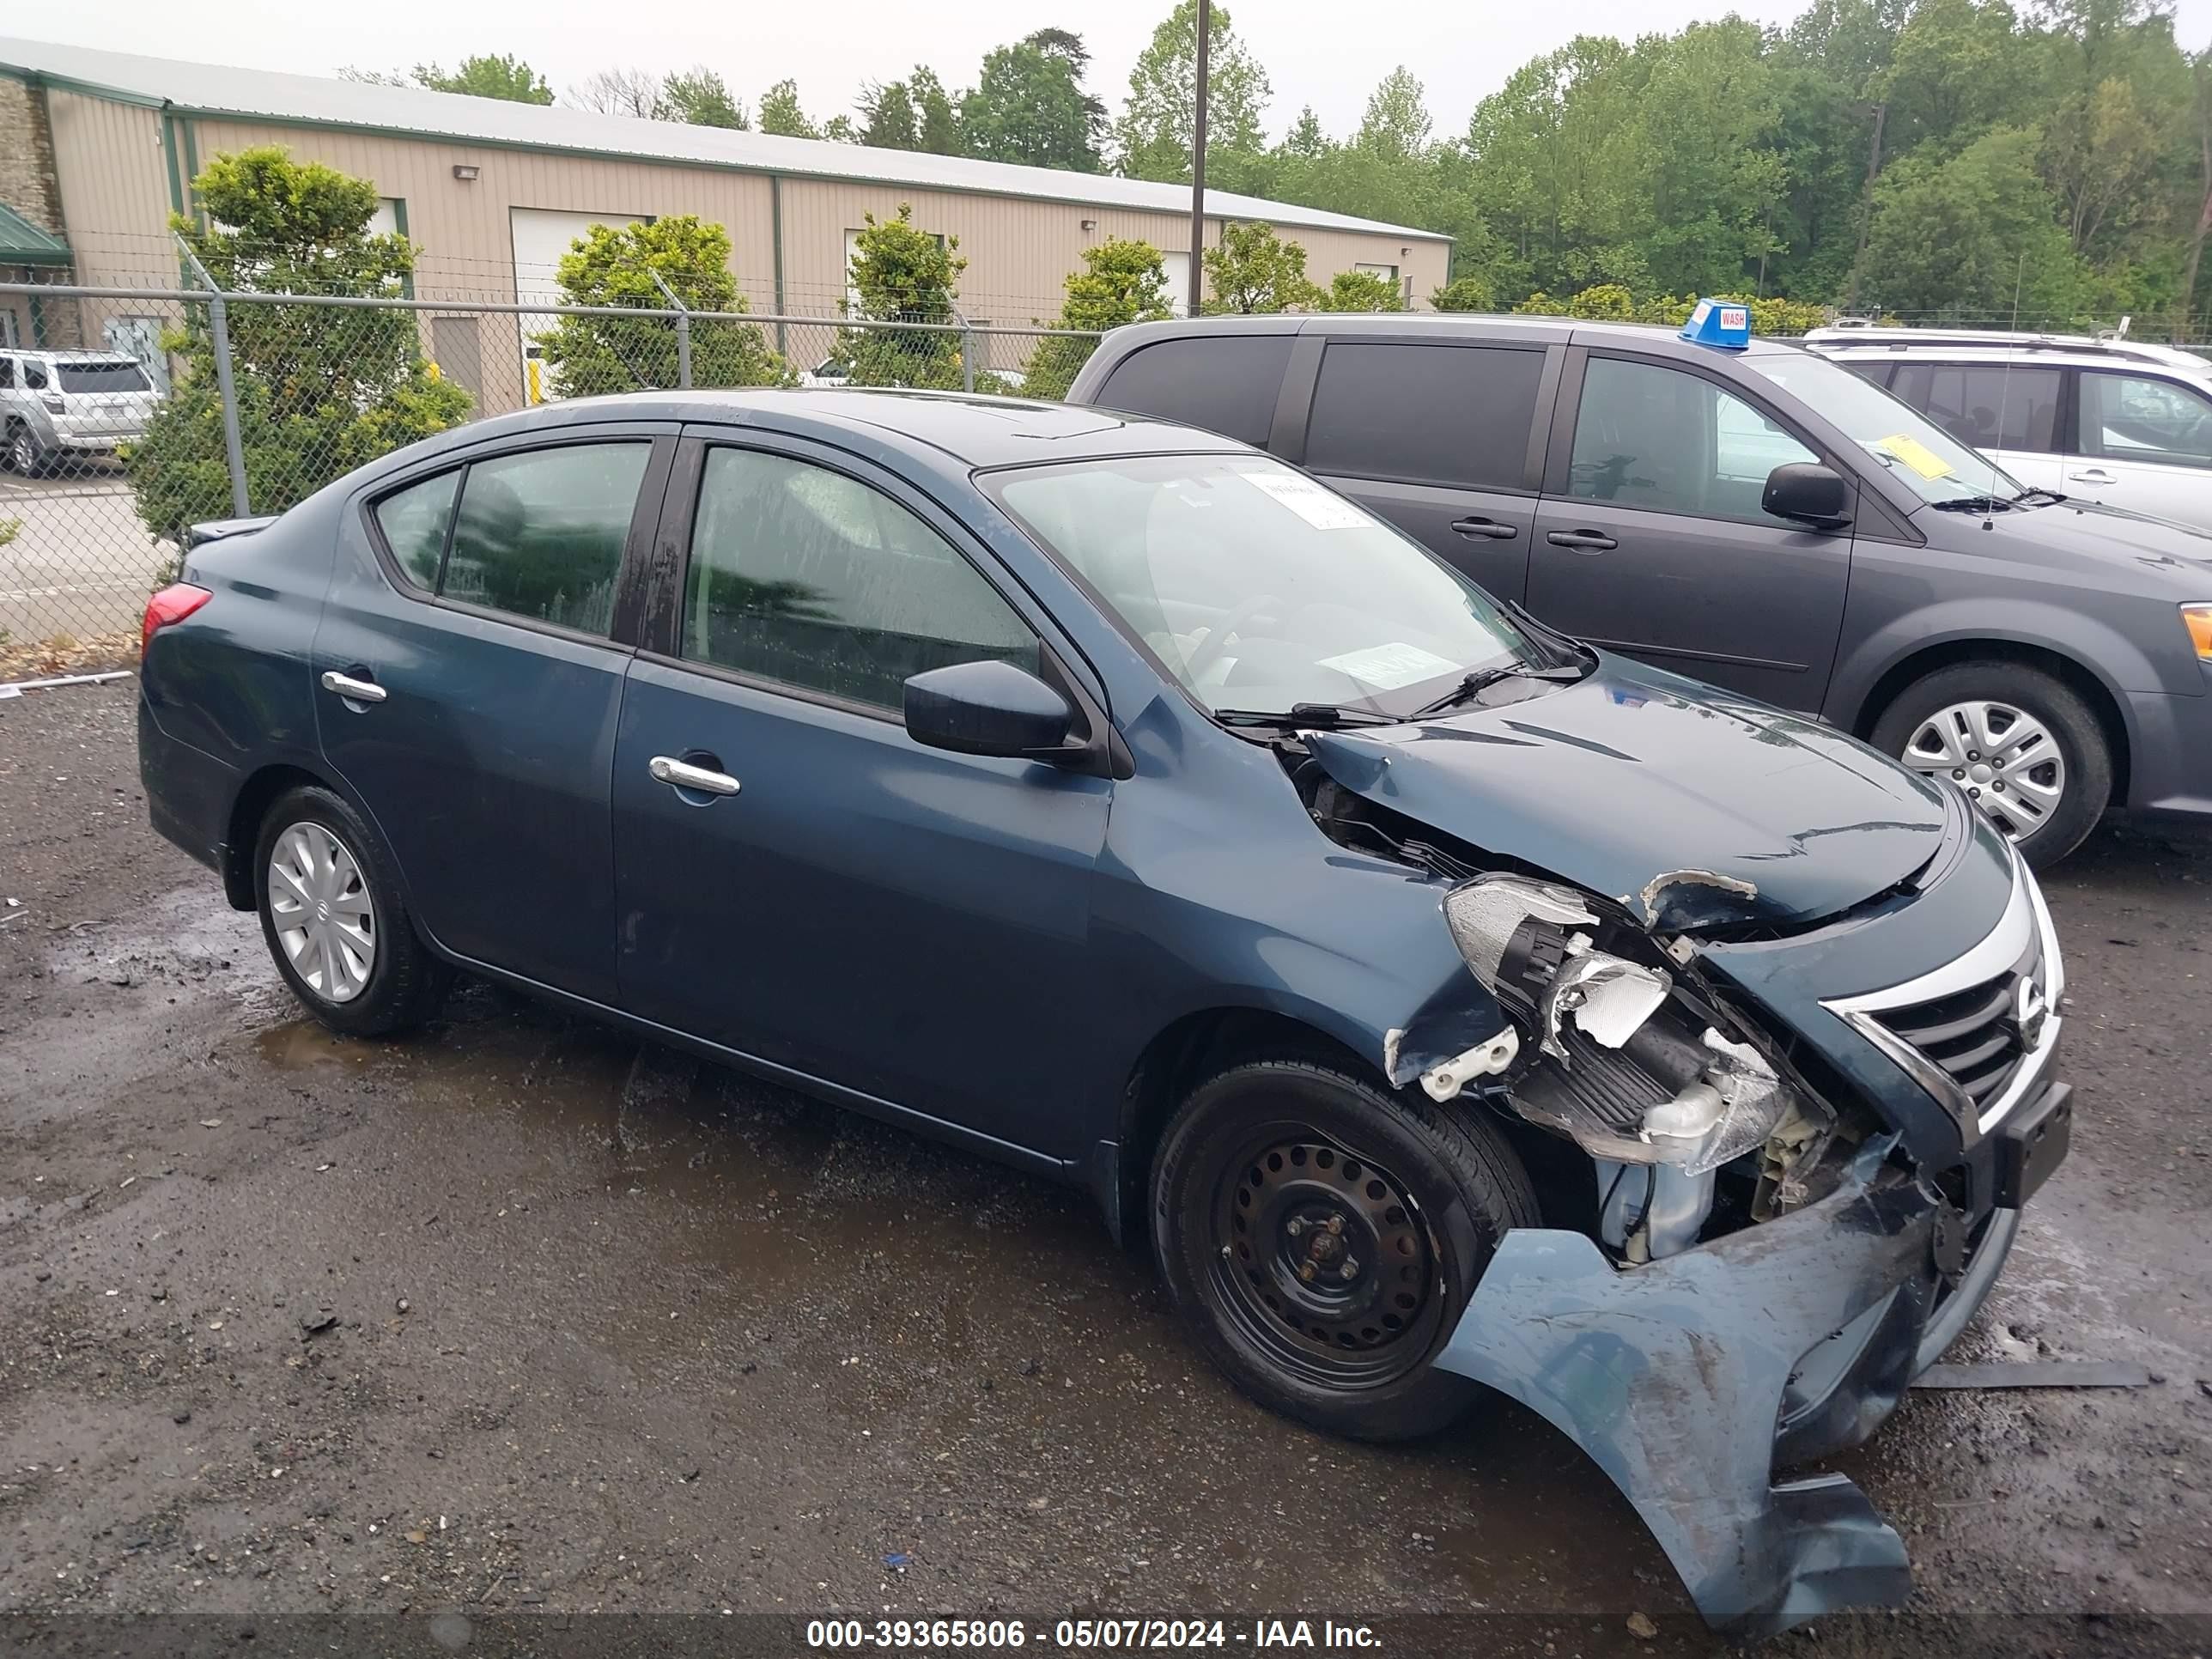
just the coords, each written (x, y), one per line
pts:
(142, 411)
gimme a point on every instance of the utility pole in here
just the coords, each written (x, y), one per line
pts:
(1198, 160)
(1866, 206)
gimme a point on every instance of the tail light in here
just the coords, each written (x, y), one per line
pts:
(173, 604)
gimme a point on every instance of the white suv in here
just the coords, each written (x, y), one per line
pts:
(57, 405)
(2103, 420)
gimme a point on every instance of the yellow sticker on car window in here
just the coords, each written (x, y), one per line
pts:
(1915, 454)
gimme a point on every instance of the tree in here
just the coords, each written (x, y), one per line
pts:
(320, 390)
(890, 122)
(1029, 106)
(1120, 282)
(902, 274)
(1362, 290)
(483, 77)
(616, 266)
(780, 113)
(1255, 271)
(1153, 137)
(700, 97)
(937, 117)
(1464, 293)
(619, 92)
(1972, 238)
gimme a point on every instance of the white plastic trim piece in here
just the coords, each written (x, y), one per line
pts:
(1485, 1060)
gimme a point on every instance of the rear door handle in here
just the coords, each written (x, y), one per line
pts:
(1582, 541)
(2093, 474)
(682, 774)
(351, 690)
(1488, 528)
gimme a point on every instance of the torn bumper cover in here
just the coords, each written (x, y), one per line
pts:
(1678, 1377)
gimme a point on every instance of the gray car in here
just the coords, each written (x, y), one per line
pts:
(58, 406)
(1758, 518)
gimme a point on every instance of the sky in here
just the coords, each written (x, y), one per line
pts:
(1460, 49)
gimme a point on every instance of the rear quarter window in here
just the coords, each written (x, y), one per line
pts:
(1226, 383)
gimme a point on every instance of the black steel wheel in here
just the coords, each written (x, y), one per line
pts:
(1322, 1235)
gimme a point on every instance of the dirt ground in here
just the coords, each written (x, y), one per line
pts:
(519, 1318)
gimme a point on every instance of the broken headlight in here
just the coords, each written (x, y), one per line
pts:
(1612, 1054)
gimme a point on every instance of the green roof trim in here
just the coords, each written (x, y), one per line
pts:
(22, 243)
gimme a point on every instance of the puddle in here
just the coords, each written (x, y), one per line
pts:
(298, 1044)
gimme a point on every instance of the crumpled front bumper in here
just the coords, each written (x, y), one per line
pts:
(1683, 1377)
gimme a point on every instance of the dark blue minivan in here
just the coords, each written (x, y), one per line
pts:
(1444, 1002)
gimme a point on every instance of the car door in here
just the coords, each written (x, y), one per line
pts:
(902, 921)
(469, 670)
(2009, 412)
(1442, 438)
(1650, 539)
(2144, 442)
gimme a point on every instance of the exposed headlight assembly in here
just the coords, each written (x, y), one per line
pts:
(1614, 1059)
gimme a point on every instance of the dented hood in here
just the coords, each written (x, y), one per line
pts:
(1690, 808)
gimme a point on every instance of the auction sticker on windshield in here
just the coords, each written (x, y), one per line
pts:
(1317, 505)
(1914, 453)
(1387, 667)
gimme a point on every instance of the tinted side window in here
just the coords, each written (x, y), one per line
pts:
(6, 373)
(541, 534)
(2134, 417)
(1869, 368)
(805, 576)
(414, 522)
(1989, 406)
(34, 374)
(1658, 438)
(1226, 383)
(1424, 414)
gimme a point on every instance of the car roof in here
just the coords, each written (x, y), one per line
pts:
(937, 428)
(1437, 324)
(70, 354)
(1991, 345)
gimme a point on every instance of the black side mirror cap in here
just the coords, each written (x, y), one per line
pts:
(990, 708)
(1809, 492)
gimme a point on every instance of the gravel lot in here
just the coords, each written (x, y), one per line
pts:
(520, 1316)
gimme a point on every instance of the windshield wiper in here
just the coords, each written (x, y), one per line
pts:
(1323, 716)
(2037, 492)
(1974, 504)
(1474, 684)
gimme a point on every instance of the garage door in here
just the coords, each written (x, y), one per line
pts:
(541, 236)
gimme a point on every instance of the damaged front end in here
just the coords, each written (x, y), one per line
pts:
(1764, 1263)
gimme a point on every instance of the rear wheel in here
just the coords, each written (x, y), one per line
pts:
(335, 922)
(1322, 1237)
(2021, 743)
(24, 455)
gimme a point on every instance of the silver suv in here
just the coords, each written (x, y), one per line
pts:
(2110, 420)
(62, 405)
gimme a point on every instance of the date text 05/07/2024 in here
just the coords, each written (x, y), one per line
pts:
(1138, 1634)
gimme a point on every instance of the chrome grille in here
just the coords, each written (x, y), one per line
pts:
(1974, 1036)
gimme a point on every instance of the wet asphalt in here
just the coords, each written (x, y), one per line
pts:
(519, 1317)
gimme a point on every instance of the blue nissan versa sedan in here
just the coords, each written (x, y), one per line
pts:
(1446, 1002)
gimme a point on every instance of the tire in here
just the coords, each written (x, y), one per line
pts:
(335, 922)
(1933, 725)
(1253, 1161)
(25, 457)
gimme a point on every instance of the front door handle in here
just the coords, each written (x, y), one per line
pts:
(1582, 541)
(1488, 529)
(2093, 474)
(354, 690)
(682, 774)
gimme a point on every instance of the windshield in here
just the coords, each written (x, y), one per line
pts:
(118, 376)
(1927, 460)
(1259, 589)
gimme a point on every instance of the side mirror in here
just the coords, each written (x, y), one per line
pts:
(1807, 491)
(988, 707)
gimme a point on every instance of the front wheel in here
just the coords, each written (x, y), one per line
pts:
(335, 922)
(24, 455)
(2022, 744)
(1322, 1235)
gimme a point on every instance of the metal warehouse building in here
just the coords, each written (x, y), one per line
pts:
(97, 149)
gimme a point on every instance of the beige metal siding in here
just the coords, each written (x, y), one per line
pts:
(115, 189)
(463, 227)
